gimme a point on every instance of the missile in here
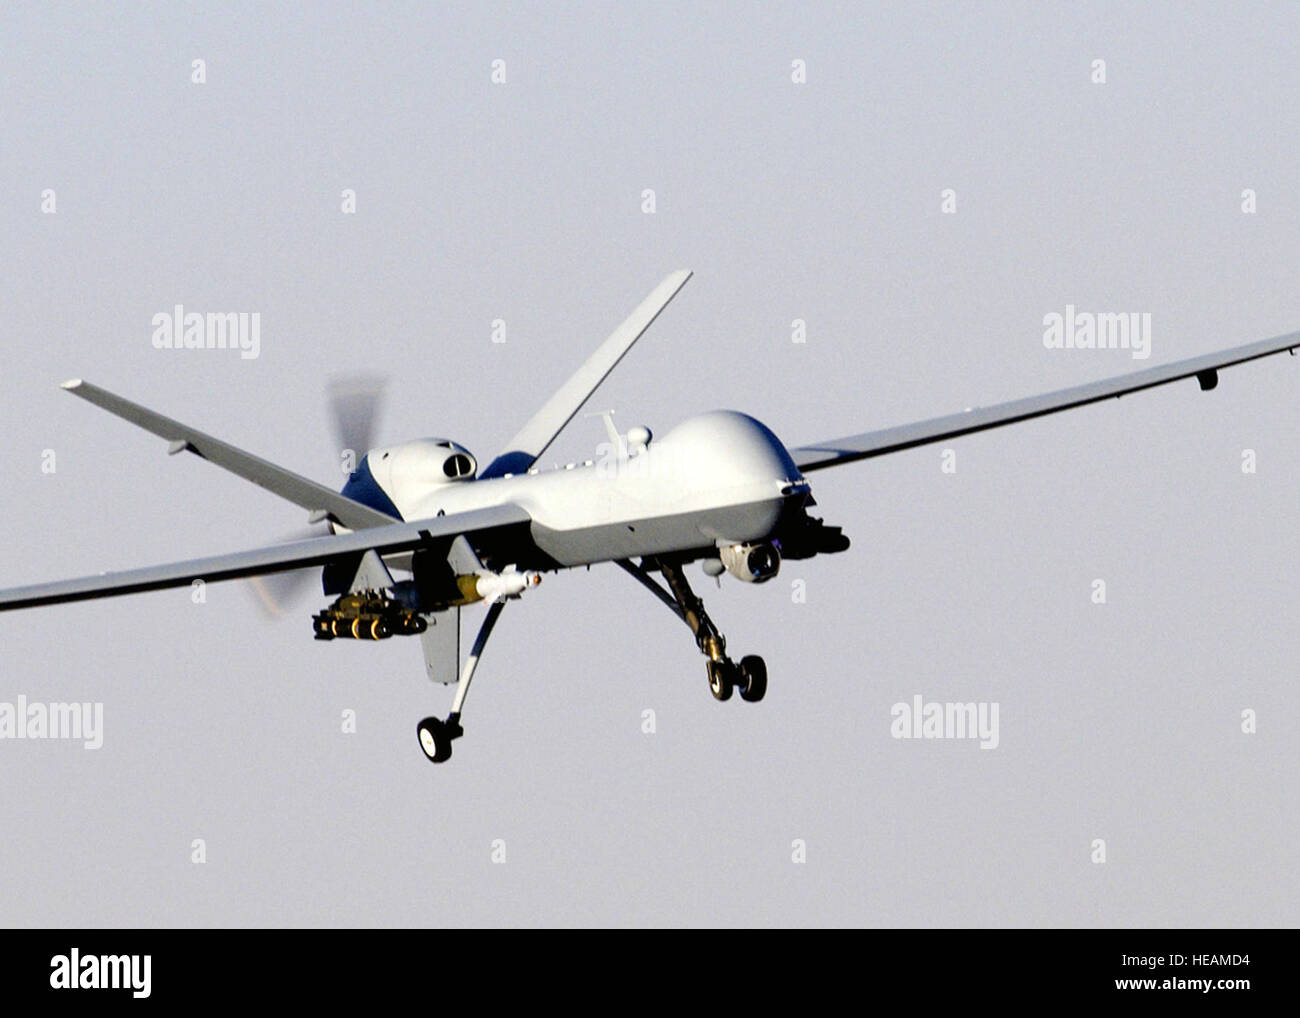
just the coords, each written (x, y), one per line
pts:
(496, 586)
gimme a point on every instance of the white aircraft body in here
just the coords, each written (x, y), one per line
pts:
(720, 488)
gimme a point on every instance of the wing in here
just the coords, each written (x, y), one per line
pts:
(522, 450)
(297, 489)
(392, 537)
(1205, 369)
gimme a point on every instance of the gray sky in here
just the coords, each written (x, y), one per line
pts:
(523, 202)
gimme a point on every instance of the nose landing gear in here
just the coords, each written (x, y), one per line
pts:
(753, 671)
(722, 679)
(749, 676)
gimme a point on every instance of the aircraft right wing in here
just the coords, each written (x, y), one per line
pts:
(392, 537)
(1205, 369)
(277, 480)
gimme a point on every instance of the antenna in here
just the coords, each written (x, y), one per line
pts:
(615, 439)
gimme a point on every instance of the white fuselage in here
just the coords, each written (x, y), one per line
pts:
(717, 478)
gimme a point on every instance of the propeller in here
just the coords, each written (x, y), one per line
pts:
(278, 592)
(354, 403)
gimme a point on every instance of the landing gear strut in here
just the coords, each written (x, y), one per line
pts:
(749, 677)
(436, 734)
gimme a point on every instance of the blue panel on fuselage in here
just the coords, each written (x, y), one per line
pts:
(362, 487)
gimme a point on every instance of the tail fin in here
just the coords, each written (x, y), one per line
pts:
(540, 431)
(441, 645)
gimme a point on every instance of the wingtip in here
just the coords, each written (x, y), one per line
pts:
(71, 383)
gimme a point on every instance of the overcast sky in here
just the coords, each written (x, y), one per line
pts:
(524, 202)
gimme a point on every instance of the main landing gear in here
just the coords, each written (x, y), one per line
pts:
(748, 677)
(436, 734)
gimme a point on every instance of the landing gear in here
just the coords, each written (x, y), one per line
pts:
(721, 682)
(749, 678)
(753, 678)
(725, 675)
(436, 736)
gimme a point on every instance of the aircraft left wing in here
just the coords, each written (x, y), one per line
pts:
(392, 537)
(1205, 369)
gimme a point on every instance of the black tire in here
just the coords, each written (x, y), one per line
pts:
(753, 678)
(721, 680)
(435, 742)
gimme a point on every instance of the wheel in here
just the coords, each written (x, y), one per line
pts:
(753, 678)
(434, 739)
(720, 679)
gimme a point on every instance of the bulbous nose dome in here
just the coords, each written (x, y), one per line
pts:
(727, 447)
